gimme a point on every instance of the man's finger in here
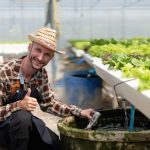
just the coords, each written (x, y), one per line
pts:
(28, 92)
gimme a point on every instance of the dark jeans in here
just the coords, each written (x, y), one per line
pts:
(20, 133)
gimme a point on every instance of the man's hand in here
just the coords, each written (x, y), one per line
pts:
(87, 113)
(28, 103)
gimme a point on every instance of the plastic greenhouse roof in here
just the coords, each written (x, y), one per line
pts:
(95, 4)
(22, 3)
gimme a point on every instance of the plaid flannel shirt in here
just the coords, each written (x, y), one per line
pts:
(9, 73)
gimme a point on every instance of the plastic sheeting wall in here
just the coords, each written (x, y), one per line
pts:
(79, 19)
(18, 18)
(84, 19)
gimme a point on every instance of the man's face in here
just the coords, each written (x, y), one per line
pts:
(39, 55)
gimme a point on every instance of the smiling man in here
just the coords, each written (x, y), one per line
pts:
(24, 84)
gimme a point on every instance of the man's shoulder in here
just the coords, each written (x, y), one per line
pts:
(8, 66)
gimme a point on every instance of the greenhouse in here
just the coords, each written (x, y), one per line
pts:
(75, 74)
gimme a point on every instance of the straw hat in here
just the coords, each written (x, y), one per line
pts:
(46, 37)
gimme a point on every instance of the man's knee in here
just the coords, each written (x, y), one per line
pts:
(56, 143)
(21, 119)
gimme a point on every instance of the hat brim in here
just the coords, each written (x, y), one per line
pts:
(33, 38)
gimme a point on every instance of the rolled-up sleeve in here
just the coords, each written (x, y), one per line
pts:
(52, 105)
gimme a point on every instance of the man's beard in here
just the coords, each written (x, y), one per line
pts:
(35, 63)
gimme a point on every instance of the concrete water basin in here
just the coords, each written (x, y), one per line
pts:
(110, 133)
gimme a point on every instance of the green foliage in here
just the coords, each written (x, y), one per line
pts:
(103, 41)
(131, 56)
(80, 44)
